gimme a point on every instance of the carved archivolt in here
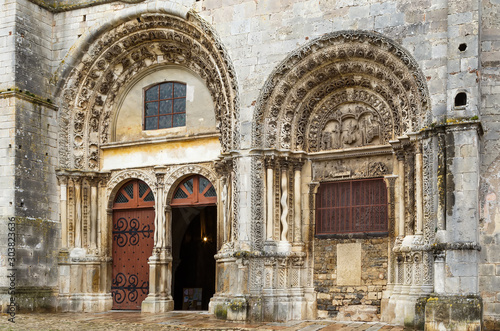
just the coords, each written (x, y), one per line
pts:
(117, 179)
(182, 172)
(127, 50)
(345, 89)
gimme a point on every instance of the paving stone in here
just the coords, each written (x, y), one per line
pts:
(168, 321)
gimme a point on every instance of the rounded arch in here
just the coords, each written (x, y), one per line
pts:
(120, 178)
(328, 73)
(120, 52)
(184, 172)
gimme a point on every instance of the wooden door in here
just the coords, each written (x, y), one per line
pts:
(133, 240)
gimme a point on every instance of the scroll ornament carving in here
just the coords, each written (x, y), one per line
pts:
(117, 55)
(257, 230)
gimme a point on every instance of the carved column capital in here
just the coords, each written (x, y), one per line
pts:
(284, 163)
(160, 178)
(62, 179)
(270, 161)
(297, 164)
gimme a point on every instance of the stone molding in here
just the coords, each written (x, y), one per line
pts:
(313, 79)
(92, 87)
(55, 6)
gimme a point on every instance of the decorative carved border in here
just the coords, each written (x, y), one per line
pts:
(117, 179)
(328, 64)
(91, 88)
(178, 174)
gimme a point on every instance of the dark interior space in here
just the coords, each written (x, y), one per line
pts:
(193, 249)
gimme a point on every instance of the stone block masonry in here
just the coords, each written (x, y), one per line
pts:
(30, 196)
(359, 301)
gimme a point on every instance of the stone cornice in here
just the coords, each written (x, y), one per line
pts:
(28, 97)
(59, 6)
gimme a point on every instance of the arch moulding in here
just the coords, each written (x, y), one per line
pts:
(88, 94)
(118, 179)
(181, 173)
(346, 68)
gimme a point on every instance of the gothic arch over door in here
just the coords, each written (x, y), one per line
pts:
(133, 235)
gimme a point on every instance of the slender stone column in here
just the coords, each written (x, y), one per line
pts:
(160, 234)
(418, 191)
(284, 201)
(269, 198)
(297, 198)
(63, 185)
(93, 214)
(78, 211)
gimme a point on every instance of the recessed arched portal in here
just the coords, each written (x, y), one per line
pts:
(194, 243)
(133, 241)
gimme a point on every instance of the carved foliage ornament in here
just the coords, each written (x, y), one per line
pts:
(345, 62)
(125, 51)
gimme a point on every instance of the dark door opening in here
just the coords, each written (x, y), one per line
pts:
(194, 237)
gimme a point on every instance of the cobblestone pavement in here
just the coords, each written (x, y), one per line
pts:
(169, 321)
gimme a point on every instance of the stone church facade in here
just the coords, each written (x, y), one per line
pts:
(337, 159)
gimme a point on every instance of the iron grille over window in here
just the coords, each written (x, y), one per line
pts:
(352, 207)
(165, 106)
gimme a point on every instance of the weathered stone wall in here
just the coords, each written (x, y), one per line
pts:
(7, 192)
(361, 299)
(489, 265)
(34, 43)
(7, 44)
(33, 52)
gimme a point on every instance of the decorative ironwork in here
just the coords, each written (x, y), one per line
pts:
(355, 206)
(124, 235)
(122, 289)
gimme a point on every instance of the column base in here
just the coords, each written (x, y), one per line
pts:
(157, 305)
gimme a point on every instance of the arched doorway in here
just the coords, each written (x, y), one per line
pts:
(194, 236)
(133, 240)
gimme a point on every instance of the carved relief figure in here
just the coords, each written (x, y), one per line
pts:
(370, 128)
(350, 132)
(349, 126)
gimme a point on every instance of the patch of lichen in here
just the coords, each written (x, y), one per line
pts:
(451, 121)
(221, 312)
(238, 305)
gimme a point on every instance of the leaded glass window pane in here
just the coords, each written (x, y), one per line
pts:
(151, 123)
(166, 91)
(152, 94)
(163, 101)
(179, 90)
(179, 120)
(165, 122)
(166, 107)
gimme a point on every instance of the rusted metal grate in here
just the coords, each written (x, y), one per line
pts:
(354, 206)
